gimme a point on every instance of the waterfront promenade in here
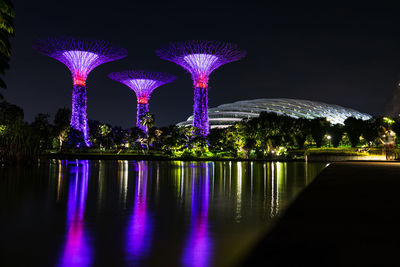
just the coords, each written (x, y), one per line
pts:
(349, 215)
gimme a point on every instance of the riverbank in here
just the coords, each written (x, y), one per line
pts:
(348, 215)
(158, 157)
(310, 154)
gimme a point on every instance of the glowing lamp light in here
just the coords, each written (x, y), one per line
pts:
(388, 120)
(79, 79)
(202, 81)
(143, 100)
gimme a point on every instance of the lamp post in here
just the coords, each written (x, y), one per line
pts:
(329, 140)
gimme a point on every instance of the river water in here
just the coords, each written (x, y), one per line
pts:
(142, 213)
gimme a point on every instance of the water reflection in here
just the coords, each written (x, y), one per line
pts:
(239, 193)
(198, 246)
(145, 213)
(77, 250)
(139, 228)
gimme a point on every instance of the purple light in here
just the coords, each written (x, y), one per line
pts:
(79, 62)
(200, 110)
(81, 57)
(200, 59)
(200, 64)
(139, 229)
(78, 115)
(197, 251)
(77, 250)
(143, 84)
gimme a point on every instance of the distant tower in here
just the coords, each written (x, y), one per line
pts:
(143, 83)
(81, 57)
(200, 59)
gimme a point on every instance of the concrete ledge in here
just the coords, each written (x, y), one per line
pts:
(349, 215)
(335, 158)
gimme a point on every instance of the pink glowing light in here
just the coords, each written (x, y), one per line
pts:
(81, 63)
(143, 100)
(200, 65)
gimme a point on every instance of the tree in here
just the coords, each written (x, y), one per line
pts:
(336, 132)
(147, 121)
(300, 129)
(61, 126)
(118, 136)
(10, 113)
(353, 127)
(42, 126)
(133, 134)
(370, 130)
(216, 139)
(396, 128)
(6, 32)
(19, 142)
(104, 131)
(318, 127)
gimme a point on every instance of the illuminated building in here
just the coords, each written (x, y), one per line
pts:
(227, 114)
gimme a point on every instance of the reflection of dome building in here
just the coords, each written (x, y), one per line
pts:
(227, 114)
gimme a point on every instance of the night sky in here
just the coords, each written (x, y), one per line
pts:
(349, 57)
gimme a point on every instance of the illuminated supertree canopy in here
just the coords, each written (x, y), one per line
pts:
(143, 83)
(200, 59)
(81, 56)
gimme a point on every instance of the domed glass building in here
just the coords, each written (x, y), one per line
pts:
(227, 114)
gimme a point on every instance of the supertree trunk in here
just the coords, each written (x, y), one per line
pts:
(200, 110)
(142, 109)
(78, 116)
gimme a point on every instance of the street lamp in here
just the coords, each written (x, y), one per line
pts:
(329, 140)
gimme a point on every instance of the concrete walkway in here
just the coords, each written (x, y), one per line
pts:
(349, 215)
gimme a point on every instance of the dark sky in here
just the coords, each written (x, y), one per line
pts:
(349, 57)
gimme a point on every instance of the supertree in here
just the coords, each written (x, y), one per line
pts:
(200, 59)
(143, 84)
(81, 56)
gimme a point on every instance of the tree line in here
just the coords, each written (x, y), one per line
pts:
(262, 137)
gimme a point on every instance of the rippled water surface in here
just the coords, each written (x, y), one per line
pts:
(141, 213)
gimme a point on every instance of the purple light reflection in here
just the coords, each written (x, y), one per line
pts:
(140, 225)
(77, 250)
(197, 251)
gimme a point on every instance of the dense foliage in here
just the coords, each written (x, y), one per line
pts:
(267, 136)
(6, 32)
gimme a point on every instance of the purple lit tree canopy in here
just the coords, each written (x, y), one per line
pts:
(200, 59)
(81, 56)
(143, 84)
